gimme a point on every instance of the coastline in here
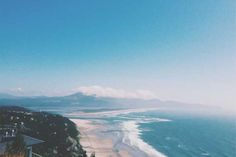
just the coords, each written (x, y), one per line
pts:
(114, 140)
(102, 146)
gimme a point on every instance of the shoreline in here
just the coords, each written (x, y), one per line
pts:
(93, 142)
(116, 139)
(120, 141)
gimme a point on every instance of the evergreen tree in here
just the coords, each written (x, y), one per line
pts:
(17, 147)
(92, 155)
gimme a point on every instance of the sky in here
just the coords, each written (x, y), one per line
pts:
(172, 50)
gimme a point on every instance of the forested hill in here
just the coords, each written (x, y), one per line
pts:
(59, 133)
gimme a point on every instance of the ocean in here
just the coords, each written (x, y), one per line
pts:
(174, 134)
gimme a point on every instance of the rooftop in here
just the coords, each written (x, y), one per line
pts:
(8, 133)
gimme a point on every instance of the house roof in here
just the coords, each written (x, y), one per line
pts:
(29, 141)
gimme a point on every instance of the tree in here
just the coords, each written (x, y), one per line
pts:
(17, 147)
(92, 155)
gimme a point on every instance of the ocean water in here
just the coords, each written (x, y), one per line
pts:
(181, 135)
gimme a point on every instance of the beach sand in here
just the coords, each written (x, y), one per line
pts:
(91, 142)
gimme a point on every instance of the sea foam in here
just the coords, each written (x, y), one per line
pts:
(132, 137)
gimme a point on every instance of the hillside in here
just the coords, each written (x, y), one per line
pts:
(59, 133)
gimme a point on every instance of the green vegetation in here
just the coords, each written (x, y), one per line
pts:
(92, 155)
(59, 133)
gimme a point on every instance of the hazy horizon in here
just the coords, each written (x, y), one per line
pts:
(181, 50)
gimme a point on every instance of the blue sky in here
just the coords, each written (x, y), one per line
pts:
(180, 50)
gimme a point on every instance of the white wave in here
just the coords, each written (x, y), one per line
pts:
(132, 137)
(148, 120)
(205, 154)
(144, 119)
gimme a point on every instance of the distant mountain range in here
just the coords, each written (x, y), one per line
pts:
(6, 96)
(80, 100)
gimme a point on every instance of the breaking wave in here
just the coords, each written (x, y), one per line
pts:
(132, 138)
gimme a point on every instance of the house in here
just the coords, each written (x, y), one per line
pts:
(8, 134)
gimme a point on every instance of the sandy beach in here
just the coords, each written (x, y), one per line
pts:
(89, 139)
(120, 139)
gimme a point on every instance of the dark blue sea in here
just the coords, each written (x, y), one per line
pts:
(189, 135)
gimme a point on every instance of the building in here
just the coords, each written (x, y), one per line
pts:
(8, 134)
